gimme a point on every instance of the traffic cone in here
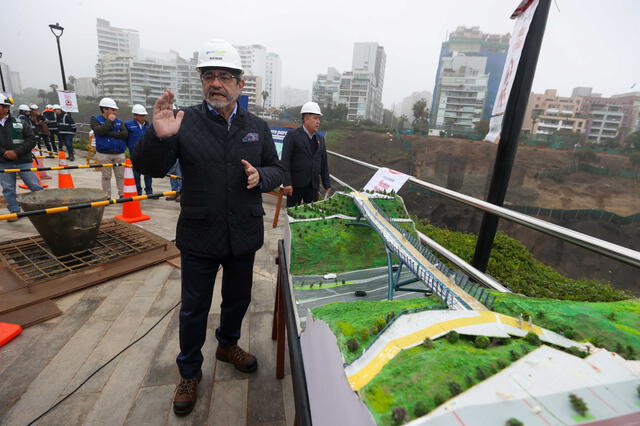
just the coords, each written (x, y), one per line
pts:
(44, 185)
(131, 211)
(64, 177)
(40, 164)
(8, 332)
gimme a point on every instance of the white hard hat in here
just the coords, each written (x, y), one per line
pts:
(139, 109)
(219, 53)
(34, 106)
(48, 106)
(310, 108)
(56, 106)
(5, 100)
(23, 107)
(108, 103)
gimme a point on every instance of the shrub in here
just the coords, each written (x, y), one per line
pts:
(578, 404)
(353, 345)
(380, 324)
(533, 339)
(611, 316)
(540, 315)
(420, 409)
(454, 388)
(437, 399)
(569, 333)
(390, 316)
(363, 334)
(480, 374)
(574, 350)
(513, 355)
(345, 328)
(453, 336)
(502, 364)
(482, 342)
(468, 380)
(428, 343)
(398, 415)
(514, 422)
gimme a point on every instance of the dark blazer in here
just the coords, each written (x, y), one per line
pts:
(219, 215)
(302, 167)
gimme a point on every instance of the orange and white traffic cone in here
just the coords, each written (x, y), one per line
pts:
(64, 177)
(131, 211)
(8, 331)
(43, 174)
(44, 185)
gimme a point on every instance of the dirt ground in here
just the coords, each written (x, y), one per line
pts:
(466, 166)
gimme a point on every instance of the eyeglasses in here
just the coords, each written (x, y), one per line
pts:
(224, 77)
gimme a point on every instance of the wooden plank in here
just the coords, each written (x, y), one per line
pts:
(16, 348)
(17, 376)
(175, 261)
(71, 412)
(32, 314)
(85, 278)
(152, 406)
(265, 397)
(163, 369)
(229, 403)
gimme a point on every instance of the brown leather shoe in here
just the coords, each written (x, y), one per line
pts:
(242, 360)
(186, 395)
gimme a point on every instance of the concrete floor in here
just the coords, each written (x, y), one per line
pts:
(47, 361)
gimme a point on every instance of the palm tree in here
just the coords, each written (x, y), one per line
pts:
(72, 82)
(42, 94)
(147, 91)
(265, 95)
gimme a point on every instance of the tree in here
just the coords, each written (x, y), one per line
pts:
(401, 121)
(420, 116)
(147, 91)
(482, 127)
(52, 96)
(71, 85)
(633, 140)
(265, 95)
(42, 94)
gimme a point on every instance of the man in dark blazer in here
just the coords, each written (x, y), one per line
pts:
(228, 159)
(304, 157)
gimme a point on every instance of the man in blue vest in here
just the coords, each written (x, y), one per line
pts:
(111, 142)
(16, 142)
(136, 129)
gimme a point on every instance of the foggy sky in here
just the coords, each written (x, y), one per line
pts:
(587, 42)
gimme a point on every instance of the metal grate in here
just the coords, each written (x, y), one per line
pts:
(32, 261)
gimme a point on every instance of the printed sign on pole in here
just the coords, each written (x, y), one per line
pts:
(386, 180)
(68, 101)
(523, 16)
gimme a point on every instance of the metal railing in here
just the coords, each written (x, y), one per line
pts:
(611, 250)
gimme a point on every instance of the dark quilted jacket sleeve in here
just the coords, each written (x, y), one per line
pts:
(271, 170)
(153, 156)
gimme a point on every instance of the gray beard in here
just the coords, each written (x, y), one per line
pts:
(217, 104)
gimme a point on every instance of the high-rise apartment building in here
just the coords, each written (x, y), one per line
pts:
(257, 61)
(253, 89)
(540, 103)
(477, 79)
(112, 40)
(326, 87)
(361, 88)
(86, 87)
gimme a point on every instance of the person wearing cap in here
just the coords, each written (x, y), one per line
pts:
(304, 157)
(50, 118)
(16, 142)
(227, 158)
(66, 130)
(136, 129)
(111, 141)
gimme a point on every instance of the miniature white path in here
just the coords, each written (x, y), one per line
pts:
(410, 330)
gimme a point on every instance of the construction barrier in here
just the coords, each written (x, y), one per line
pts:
(64, 177)
(61, 209)
(131, 212)
(81, 166)
(43, 185)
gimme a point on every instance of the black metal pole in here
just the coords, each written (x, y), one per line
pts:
(511, 126)
(1, 77)
(64, 80)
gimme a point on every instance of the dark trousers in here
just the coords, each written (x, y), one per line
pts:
(147, 183)
(47, 143)
(198, 277)
(66, 139)
(302, 195)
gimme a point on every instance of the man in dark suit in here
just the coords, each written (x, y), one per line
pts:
(304, 157)
(228, 159)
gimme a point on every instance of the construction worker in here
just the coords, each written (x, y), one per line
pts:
(136, 128)
(111, 142)
(66, 129)
(52, 124)
(16, 142)
(41, 130)
(304, 157)
(24, 112)
(228, 159)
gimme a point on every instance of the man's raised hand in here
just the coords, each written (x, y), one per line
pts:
(165, 124)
